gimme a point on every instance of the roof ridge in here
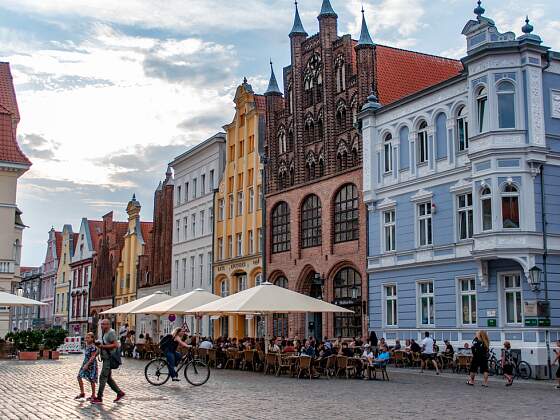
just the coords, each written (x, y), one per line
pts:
(419, 53)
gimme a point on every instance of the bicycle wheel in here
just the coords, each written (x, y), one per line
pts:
(157, 372)
(197, 372)
(523, 370)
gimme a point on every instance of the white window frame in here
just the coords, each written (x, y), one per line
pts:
(469, 211)
(194, 188)
(201, 266)
(427, 220)
(504, 194)
(389, 229)
(230, 246)
(419, 297)
(192, 261)
(470, 293)
(481, 128)
(220, 249)
(464, 121)
(220, 209)
(224, 288)
(423, 146)
(488, 197)
(193, 225)
(503, 292)
(230, 206)
(185, 227)
(240, 199)
(395, 305)
(250, 245)
(242, 282)
(251, 200)
(202, 222)
(178, 230)
(513, 93)
(388, 153)
(238, 244)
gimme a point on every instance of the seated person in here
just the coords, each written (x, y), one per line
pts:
(397, 345)
(206, 344)
(345, 351)
(448, 349)
(407, 345)
(289, 347)
(275, 345)
(308, 349)
(148, 339)
(414, 346)
(465, 350)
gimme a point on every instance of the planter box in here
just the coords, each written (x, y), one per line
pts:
(44, 354)
(54, 355)
(28, 355)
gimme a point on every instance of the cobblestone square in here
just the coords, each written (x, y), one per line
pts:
(45, 390)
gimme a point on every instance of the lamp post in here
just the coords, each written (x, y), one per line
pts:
(535, 278)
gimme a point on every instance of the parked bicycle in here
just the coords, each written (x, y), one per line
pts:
(196, 372)
(521, 368)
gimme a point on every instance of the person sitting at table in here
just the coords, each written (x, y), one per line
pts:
(358, 342)
(345, 351)
(289, 347)
(465, 350)
(275, 345)
(414, 346)
(449, 351)
(383, 356)
(407, 345)
(308, 349)
(148, 339)
(140, 342)
(397, 345)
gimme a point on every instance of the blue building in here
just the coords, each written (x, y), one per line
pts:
(461, 236)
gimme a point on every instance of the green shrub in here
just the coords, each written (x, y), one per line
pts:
(54, 337)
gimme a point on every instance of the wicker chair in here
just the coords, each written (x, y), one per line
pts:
(342, 366)
(304, 366)
(270, 363)
(248, 360)
(399, 358)
(232, 355)
(283, 364)
(212, 358)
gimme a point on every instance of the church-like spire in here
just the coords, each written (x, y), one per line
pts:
(273, 88)
(327, 10)
(365, 38)
(297, 29)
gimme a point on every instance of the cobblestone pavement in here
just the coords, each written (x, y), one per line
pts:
(45, 390)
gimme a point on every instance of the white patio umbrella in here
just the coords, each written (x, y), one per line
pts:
(8, 299)
(264, 300)
(130, 307)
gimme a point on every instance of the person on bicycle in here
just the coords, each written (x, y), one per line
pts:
(170, 349)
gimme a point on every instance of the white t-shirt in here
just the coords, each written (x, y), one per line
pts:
(206, 345)
(428, 345)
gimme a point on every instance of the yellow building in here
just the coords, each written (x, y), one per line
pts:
(63, 278)
(237, 208)
(137, 235)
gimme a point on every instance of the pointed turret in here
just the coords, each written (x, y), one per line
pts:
(297, 29)
(365, 38)
(273, 88)
(327, 10)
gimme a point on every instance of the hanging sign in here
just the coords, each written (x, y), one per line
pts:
(171, 317)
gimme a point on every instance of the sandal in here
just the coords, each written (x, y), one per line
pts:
(79, 396)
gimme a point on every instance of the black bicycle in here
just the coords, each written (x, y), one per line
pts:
(521, 369)
(196, 372)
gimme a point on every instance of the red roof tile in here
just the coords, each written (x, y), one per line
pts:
(401, 72)
(95, 228)
(58, 239)
(146, 228)
(260, 100)
(9, 148)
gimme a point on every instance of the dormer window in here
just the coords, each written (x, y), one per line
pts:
(462, 130)
(423, 142)
(482, 109)
(506, 105)
(388, 153)
(510, 207)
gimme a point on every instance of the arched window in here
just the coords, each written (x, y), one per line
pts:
(291, 174)
(341, 116)
(309, 128)
(422, 142)
(388, 153)
(462, 129)
(320, 129)
(281, 228)
(280, 321)
(510, 207)
(342, 156)
(311, 222)
(482, 109)
(258, 279)
(340, 74)
(346, 217)
(348, 294)
(290, 140)
(282, 145)
(486, 208)
(310, 166)
(321, 166)
(224, 288)
(506, 105)
(354, 107)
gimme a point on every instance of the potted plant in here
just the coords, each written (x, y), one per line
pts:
(27, 343)
(53, 339)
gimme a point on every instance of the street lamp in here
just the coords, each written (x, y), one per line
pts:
(535, 278)
(319, 281)
(19, 291)
(355, 290)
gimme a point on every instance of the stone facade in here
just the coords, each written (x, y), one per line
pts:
(48, 278)
(63, 277)
(29, 287)
(202, 165)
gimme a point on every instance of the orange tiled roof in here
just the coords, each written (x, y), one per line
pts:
(94, 226)
(401, 72)
(9, 148)
(146, 228)
(260, 100)
(58, 242)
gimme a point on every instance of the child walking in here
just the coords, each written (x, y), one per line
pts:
(88, 371)
(557, 361)
(507, 363)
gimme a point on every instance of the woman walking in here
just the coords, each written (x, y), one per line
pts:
(88, 371)
(479, 348)
(507, 363)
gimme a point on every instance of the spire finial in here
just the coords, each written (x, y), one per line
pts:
(479, 10)
(273, 88)
(133, 196)
(327, 10)
(527, 28)
(297, 28)
(365, 38)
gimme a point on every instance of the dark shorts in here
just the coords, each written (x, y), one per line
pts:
(508, 369)
(427, 356)
(558, 372)
(479, 364)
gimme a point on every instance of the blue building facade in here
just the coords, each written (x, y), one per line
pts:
(462, 184)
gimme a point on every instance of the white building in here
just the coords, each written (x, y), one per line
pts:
(197, 174)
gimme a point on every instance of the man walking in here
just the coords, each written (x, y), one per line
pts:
(108, 345)
(428, 354)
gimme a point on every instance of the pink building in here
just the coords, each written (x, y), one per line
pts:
(48, 279)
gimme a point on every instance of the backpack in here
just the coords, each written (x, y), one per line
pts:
(114, 358)
(165, 342)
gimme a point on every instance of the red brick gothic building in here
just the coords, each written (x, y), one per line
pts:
(316, 219)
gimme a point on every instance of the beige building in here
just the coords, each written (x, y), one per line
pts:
(63, 277)
(238, 215)
(13, 164)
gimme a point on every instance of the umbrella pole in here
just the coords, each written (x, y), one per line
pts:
(266, 333)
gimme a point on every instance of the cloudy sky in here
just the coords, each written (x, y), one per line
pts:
(110, 91)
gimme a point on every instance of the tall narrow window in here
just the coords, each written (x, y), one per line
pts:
(239, 241)
(462, 130)
(259, 239)
(184, 272)
(230, 206)
(346, 217)
(240, 203)
(465, 216)
(482, 109)
(512, 295)
(200, 266)
(176, 272)
(506, 105)
(250, 248)
(348, 294)
(202, 222)
(220, 209)
(192, 270)
(220, 249)
(425, 223)
(426, 303)
(486, 208)
(510, 207)
(423, 142)
(209, 261)
(186, 191)
(230, 246)
(211, 180)
(468, 301)
(311, 222)
(178, 195)
(203, 184)
(280, 228)
(224, 289)
(388, 153)
(251, 200)
(389, 229)
(193, 225)
(194, 188)
(391, 305)
(178, 230)
(210, 220)
(185, 227)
